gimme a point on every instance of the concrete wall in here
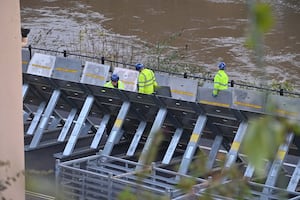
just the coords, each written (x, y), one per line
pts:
(11, 122)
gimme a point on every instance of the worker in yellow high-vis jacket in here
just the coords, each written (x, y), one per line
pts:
(220, 80)
(115, 82)
(146, 80)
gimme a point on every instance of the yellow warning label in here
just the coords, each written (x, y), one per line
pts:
(95, 76)
(194, 137)
(281, 154)
(214, 103)
(247, 105)
(66, 70)
(182, 92)
(235, 146)
(41, 66)
(118, 123)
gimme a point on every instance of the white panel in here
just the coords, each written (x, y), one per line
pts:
(41, 65)
(183, 89)
(129, 77)
(95, 73)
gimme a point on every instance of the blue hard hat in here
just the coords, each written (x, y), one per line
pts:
(222, 65)
(114, 77)
(139, 66)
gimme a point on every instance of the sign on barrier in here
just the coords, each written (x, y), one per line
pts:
(129, 77)
(224, 98)
(41, 65)
(183, 89)
(284, 106)
(95, 73)
(248, 100)
(67, 69)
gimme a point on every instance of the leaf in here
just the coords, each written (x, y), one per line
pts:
(263, 16)
(262, 140)
(127, 195)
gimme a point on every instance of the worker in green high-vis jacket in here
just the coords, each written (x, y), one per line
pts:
(220, 80)
(115, 82)
(146, 79)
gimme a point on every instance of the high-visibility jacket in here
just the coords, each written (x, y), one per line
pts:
(220, 82)
(146, 81)
(110, 85)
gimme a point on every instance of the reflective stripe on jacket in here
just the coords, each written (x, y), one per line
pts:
(110, 85)
(220, 82)
(146, 81)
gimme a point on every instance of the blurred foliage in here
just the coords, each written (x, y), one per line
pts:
(263, 17)
(263, 138)
(285, 85)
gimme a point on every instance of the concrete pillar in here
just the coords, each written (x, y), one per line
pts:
(11, 108)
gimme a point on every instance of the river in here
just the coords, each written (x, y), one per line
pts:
(175, 35)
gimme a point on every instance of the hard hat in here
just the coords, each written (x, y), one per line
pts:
(139, 66)
(114, 77)
(222, 65)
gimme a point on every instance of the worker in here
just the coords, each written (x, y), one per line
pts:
(146, 79)
(115, 82)
(220, 80)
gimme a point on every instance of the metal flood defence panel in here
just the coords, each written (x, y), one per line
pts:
(67, 69)
(41, 65)
(95, 73)
(183, 89)
(128, 77)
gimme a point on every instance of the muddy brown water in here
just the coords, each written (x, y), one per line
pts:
(186, 35)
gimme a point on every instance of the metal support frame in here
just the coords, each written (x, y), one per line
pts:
(235, 146)
(113, 136)
(137, 136)
(45, 119)
(157, 124)
(172, 146)
(63, 134)
(214, 152)
(100, 131)
(36, 119)
(295, 178)
(78, 126)
(193, 144)
(276, 166)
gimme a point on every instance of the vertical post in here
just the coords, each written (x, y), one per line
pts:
(30, 51)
